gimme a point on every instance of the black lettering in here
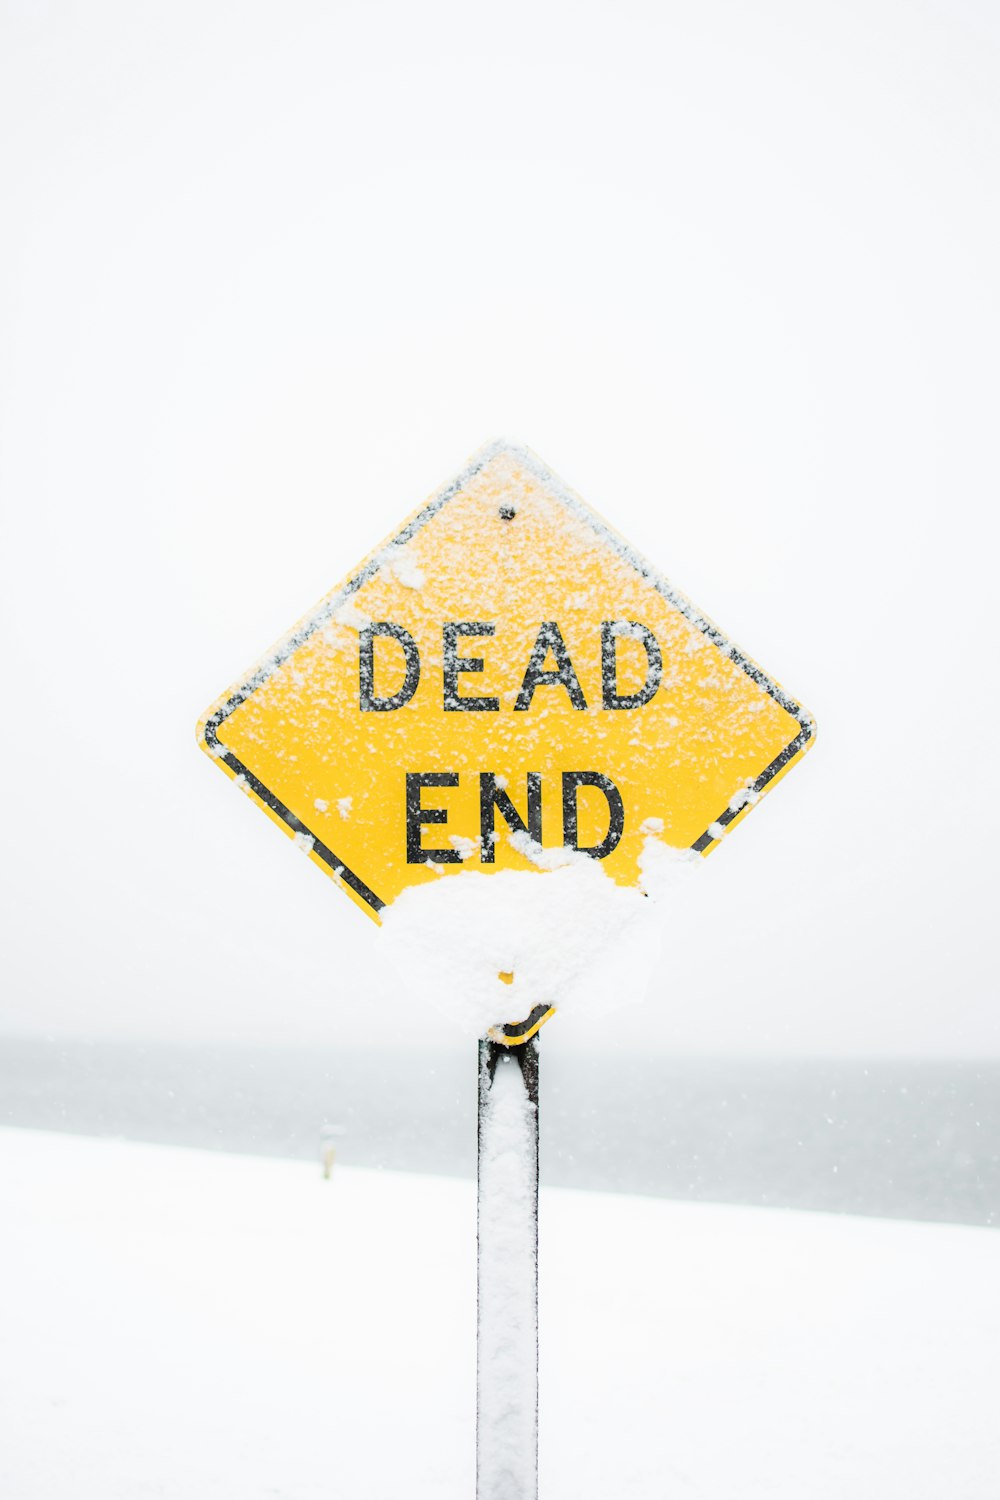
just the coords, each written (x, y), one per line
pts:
(616, 811)
(550, 639)
(611, 632)
(453, 664)
(370, 704)
(416, 815)
(493, 796)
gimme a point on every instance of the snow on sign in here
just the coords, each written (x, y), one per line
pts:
(502, 674)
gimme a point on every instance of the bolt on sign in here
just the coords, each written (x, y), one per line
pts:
(505, 672)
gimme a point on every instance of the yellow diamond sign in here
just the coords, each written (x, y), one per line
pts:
(504, 676)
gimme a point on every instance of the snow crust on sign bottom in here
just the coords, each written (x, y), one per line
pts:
(188, 1325)
(570, 935)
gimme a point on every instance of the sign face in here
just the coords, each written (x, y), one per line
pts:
(504, 673)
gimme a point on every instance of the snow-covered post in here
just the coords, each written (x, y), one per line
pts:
(507, 1342)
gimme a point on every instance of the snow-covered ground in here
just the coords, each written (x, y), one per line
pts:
(208, 1327)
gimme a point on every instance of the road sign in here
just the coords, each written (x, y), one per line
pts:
(504, 673)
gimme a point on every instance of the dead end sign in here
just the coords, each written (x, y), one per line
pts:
(504, 673)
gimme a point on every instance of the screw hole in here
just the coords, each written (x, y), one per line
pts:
(507, 512)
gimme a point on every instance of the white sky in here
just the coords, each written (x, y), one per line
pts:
(268, 274)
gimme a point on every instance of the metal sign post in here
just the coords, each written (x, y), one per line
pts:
(507, 1272)
(507, 1261)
